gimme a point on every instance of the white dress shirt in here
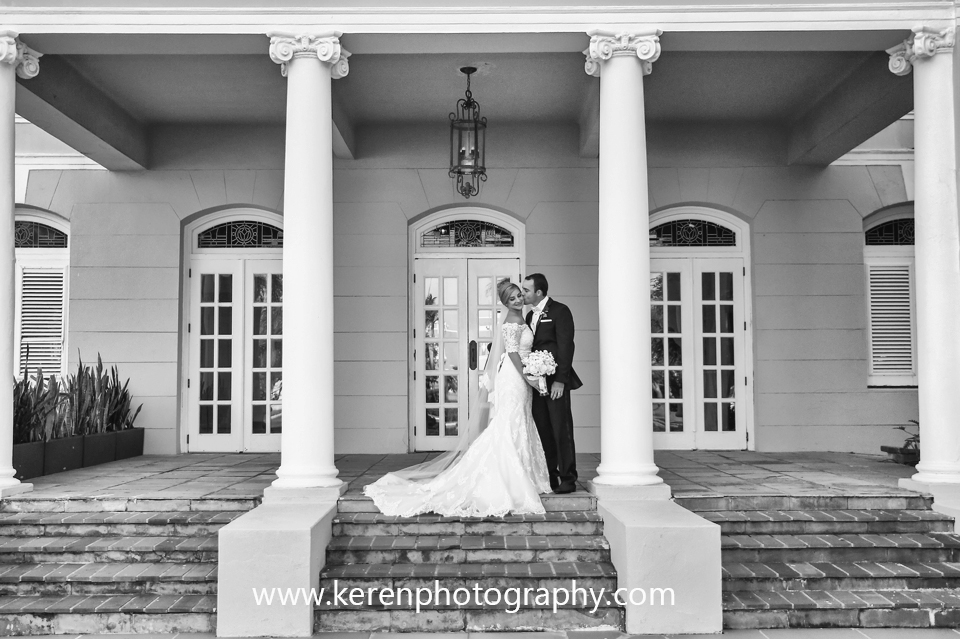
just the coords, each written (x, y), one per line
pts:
(537, 312)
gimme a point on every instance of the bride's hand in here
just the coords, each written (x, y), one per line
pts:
(533, 380)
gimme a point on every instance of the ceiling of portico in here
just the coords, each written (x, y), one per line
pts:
(411, 79)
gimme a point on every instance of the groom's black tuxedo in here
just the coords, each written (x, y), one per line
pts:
(554, 333)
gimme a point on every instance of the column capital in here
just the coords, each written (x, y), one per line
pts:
(284, 47)
(606, 44)
(25, 60)
(925, 42)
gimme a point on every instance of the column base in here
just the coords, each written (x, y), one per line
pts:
(288, 479)
(642, 475)
(933, 473)
(605, 492)
(15, 489)
(279, 495)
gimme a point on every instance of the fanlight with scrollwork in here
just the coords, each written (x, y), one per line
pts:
(466, 233)
(692, 232)
(893, 233)
(241, 234)
(37, 235)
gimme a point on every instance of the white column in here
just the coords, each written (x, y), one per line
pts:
(16, 59)
(308, 62)
(626, 412)
(930, 53)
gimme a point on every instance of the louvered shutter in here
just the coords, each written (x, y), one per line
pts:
(41, 320)
(892, 327)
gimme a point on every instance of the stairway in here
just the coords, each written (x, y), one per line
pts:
(97, 566)
(835, 561)
(501, 556)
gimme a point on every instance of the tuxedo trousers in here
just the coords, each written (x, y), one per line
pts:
(554, 421)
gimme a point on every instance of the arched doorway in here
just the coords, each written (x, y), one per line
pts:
(459, 255)
(233, 333)
(701, 339)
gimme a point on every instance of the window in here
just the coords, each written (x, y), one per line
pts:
(467, 233)
(41, 279)
(891, 285)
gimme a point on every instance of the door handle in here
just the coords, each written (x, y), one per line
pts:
(473, 355)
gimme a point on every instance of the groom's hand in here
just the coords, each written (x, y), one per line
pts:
(556, 390)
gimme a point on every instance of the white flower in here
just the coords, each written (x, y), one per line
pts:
(541, 364)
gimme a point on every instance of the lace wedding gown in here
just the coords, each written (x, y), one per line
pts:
(503, 471)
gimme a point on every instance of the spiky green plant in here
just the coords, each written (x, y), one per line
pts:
(35, 407)
(96, 402)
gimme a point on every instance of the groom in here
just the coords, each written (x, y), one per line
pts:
(552, 326)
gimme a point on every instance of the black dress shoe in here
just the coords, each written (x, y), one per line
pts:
(564, 490)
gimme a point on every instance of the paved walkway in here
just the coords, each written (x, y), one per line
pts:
(689, 473)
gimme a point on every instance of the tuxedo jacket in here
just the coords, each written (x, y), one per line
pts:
(555, 334)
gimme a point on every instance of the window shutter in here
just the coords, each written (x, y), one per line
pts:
(892, 335)
(41, 320)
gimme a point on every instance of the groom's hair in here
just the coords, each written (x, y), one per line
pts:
(539, 282)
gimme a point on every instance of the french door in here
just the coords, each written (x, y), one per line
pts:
(456, 311)
(698, 333)
(235, 382)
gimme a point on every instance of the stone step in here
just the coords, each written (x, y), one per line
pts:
(53, 504)
(460, 620)
(378, 575)
(435, 549)
(108, 579)
(891, 501)
(105, 523)
(82, 614)
(791, 522)
(56, 549)
(841, 608)
(909, 547)
(841, 576)
(560, 522)
(578, 501)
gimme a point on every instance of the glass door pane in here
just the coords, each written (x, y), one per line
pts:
(263, 342)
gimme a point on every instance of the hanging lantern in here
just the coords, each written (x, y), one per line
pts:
(467, 131)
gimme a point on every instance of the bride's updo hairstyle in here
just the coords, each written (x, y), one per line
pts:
(505, 288)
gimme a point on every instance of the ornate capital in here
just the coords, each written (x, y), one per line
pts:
(284, 47)
(17, 54)
(924, 43)
(604, 45)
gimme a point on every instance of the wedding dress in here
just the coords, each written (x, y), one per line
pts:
(504, 470)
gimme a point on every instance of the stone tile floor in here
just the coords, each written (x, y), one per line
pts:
(689, 473)
(799, 633)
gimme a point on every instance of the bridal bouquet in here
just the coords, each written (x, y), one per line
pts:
(540, 364)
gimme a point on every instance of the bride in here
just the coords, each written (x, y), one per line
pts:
(491, 473)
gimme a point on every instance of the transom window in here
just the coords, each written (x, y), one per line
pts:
(29, 234)
(467, 233)
(241, 234)
(692, 232)
(893, 233)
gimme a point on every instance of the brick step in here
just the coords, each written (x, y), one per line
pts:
(459, 620)
(15, 550)
(39, 504)
(561, 522)
(841, 608)
(791, 522)
(494, 595)
(579, 501)
(108, 579)
(105, 523)
(428, 549)
(593, 575)
(910, 547)
(842, 576)
(101, 614)
(892, 501)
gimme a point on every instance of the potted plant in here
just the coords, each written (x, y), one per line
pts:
(129, 439)
(907, 453)
(35, 405)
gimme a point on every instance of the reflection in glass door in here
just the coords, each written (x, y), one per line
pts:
(698, 336)
(455, 315)
(234, 388)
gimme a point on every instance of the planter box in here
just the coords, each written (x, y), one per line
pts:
(63, 454)
(129, 443)
(99, 448)
(905, 456)
(28, 460)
